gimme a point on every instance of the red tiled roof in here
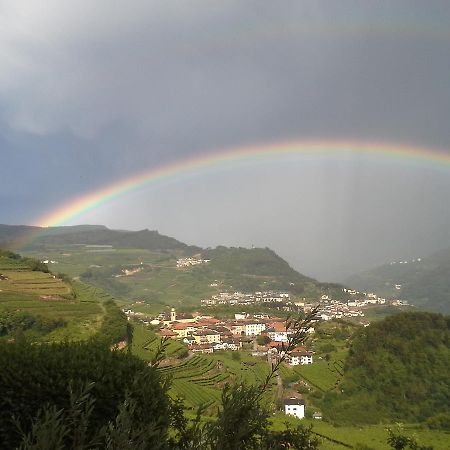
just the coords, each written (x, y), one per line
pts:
(165, 332)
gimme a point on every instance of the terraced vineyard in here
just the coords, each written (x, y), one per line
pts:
(43, 284)
(200, 379)
(40, 294)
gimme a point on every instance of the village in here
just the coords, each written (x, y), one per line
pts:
(207, 334)
(262, 333)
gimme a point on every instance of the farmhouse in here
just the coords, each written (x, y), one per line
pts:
(295, 407)
(299, 358)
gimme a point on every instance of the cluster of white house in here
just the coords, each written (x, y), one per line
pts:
(188, 262)
(364, 298)
(334, 309)
(239, 298)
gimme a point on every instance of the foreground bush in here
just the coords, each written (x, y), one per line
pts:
(41, 382)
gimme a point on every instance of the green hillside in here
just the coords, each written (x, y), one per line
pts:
(158, 279)
(396, 370)
(425, 282)
(100, 256)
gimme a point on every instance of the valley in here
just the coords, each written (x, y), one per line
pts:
(81, 294)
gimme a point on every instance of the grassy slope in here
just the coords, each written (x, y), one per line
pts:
(374, 437)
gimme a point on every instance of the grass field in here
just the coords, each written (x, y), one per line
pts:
(322, 375)
(145, 343)
(76, 259)
(373, 436)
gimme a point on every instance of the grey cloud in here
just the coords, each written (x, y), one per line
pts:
(91, 92)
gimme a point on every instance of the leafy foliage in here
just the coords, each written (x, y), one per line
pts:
(398, 441)
(83, 396)
(115, 326)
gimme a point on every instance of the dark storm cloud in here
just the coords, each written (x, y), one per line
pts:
(93, 91)
(197, 73)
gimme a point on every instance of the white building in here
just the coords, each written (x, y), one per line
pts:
(295, 407)
(299, 358)
(254, 328)
(278, 336)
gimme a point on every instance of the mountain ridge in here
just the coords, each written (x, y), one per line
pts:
(424, 282)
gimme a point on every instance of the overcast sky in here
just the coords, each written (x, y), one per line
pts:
(94, 91)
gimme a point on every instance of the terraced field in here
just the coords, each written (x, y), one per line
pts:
(199, 379)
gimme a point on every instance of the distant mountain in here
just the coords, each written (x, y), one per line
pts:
(262, 269)
(37, 237)
(425, 282)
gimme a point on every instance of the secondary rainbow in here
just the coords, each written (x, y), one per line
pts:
(235, 157)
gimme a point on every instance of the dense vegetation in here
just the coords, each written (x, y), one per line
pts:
(397, 369)
(257, 261)
(44, 307)
(57, 376)
(104, 278)
(425, 283)
(115, 327)
(13, 323)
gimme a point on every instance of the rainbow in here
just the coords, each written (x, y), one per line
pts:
(233, 157)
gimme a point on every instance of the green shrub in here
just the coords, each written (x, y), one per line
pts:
(440, 421)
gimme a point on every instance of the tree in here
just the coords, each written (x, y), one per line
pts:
(262, 340)
(399, 441)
